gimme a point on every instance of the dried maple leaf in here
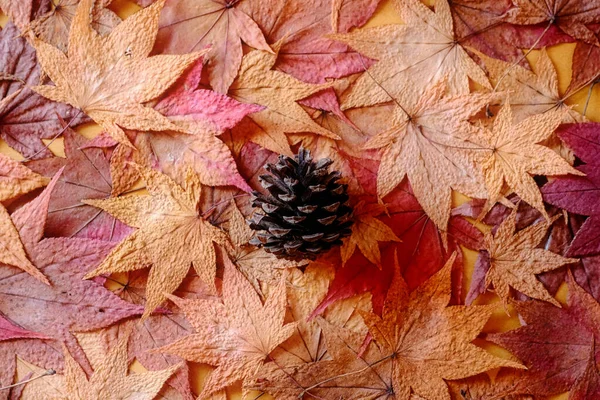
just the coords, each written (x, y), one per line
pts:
(53, 26)
(171, 235)
(221, 25)
(510, 154)
(586, 59)
(427, 342)
(258, 266)
(570, 16)
(367, 232)
(413, 55)
(580, 194)
(160, 329)
(352, 372)
(85, 176)
(110, 379)
(531, 92)
(429, 143)
(514, 260)
(302, 25)
(9, 331)
(21, 12)
(278, 92)
(110, 77)
(554, 343)
(587, 385)
(25, 117)
(234, 335)
(69, 304)
(16, 179)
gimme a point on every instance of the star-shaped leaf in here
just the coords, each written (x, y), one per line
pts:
(514, 260)
(110, 77)
(171, 235)
(416, 54)
(278, 92)
(234, 335)
(221, 25)
(16, 179)
(510, 154)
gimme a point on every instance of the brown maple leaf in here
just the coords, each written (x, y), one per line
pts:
(16, 179)
(515, 260)
(511, 153)
(278, 92)
(235, 335)
(53, 26)
(413, 55)
(367, 232)
(172, 235)
(258, 266)
(110, 77)
(429, 143)
(189, 26)
(570, 16)
(428, 342)
(110, 379)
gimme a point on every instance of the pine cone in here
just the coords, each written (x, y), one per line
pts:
(305, 212)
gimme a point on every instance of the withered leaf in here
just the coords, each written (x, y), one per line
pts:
(235, 335)
(171, 235)
(110, 77)
(16, 179)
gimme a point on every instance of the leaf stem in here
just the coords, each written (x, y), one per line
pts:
(48, 372)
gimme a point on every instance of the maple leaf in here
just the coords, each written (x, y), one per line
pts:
(278, 92)
(159, 329)
(53, 26)
(531, 92)
(586, 58)
(109, 77)
(427, 342)
(587, 385)
(258, 266)
(302, 25)
(16, 179)
(514, 260)
(510, 154)
(234, 335)
(69, 304)
(171, 235)
(579, 194)
(85, 175)
(9, 331)
(25, 117)
(367, 232)
(413, 55)
(554, 343)
(352, 372)
(567, 15)
(428, 143)
(110, 379)
(21, 12)
(220, 24)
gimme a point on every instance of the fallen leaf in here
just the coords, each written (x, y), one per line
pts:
(510, 155)
(53, 26)
(302, 25)
(17, 179)
(278, 93)
(26, 117)
(171, 235)
(411, 56)
(429, 142)
(427, 342)
(110, 379)
(235, 335)
(568, 15)
(220, 25)
(554, 343)
(69, 304)
(9, 331)
(85, 176)
(586, 59)
(514, 260)
(367, 232)
(109, 78)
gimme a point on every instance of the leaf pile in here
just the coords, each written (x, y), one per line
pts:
(127, 259)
